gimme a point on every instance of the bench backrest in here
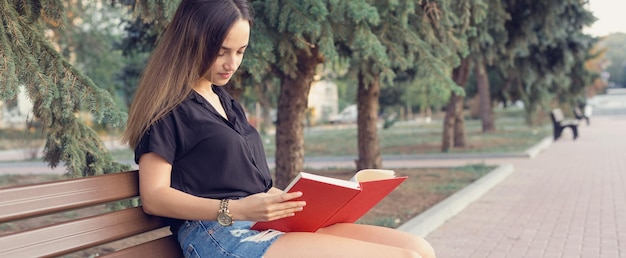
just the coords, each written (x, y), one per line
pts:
(557, 115)
(578, 113)
(21, 202)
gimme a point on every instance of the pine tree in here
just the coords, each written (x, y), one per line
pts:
(539, 58)
(295, 37)
(486, 45)
(137, 44)
(415, 43)
(291, 38)
(361, 42)
(464, 17)
(58, 90)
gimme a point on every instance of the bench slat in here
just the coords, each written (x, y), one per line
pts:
(45, 198)
(558, 115)
(79, 234)
(165, 247)
(559, 123)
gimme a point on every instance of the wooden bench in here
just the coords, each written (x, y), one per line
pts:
(80, 234)
(580, 115)
(559, 123)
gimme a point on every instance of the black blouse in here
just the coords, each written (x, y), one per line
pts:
(211, 157)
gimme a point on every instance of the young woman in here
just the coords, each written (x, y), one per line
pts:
(202, 165)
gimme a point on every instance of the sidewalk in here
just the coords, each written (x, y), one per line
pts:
(19, 161)
(569, 201)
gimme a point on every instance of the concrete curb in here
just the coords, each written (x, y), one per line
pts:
(434, 217)
(539, 147)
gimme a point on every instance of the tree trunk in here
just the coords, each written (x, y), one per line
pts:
(367, 121)
(453, 123)
(524, 97)
(292, 104)
(482, 81)
(459, 122)
(448, 125)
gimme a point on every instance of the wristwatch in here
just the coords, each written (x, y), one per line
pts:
(223, 215)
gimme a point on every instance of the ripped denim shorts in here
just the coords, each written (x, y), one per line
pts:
(210, 239)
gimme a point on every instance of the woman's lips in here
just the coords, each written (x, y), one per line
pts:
(224, 75)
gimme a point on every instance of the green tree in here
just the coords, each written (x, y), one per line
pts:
(58, 89)
(359, 40)
(486, 45)
(465, 15)
(596, 63)
(616, 56)
(578, 75)
(417, 44)
(87, 41)
(291, 38)
(136, 45)
(538, 56)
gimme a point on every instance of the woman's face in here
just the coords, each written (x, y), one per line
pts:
(231, 54)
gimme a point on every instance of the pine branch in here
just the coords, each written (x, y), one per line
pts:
(58, 90)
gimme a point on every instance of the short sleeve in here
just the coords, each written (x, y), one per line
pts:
(160, 138)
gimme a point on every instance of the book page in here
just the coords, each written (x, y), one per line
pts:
(367, 175)
(324, 179)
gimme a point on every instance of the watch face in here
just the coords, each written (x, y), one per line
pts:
(224, 219)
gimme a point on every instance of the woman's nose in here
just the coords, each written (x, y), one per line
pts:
(231, 63)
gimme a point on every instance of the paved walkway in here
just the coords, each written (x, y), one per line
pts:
(569, 201)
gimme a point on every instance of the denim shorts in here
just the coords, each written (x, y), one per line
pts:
(210, 239)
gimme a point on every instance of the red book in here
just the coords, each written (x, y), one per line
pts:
(331, 200)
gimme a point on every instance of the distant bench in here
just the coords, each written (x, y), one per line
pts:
(559, 123)
(580, 115)
(28, 201)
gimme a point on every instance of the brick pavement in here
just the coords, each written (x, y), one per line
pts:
(569, 201)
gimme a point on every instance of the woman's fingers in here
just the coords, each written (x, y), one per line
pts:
(284, 206)
(265, 207)
(283, 213)
(283, 197)
(288, 203)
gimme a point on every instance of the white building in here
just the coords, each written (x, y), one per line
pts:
(323, 100)
(14, 114)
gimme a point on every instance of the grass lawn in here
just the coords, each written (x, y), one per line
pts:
(511, 135)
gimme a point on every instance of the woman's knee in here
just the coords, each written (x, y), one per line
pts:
(384, 236)
(421, 246)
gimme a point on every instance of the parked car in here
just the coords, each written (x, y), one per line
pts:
(346, 116)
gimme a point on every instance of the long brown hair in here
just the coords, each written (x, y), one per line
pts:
(185, 52)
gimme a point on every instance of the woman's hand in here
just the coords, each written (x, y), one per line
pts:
(266, 206)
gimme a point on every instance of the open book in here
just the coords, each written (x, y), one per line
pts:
(330, 200)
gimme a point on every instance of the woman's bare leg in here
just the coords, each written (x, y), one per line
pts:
(351, 240)
(304, 245)
(381, 235)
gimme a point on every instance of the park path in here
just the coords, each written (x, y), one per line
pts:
(569, 201)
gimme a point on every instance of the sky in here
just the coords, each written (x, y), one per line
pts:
(610, 17)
